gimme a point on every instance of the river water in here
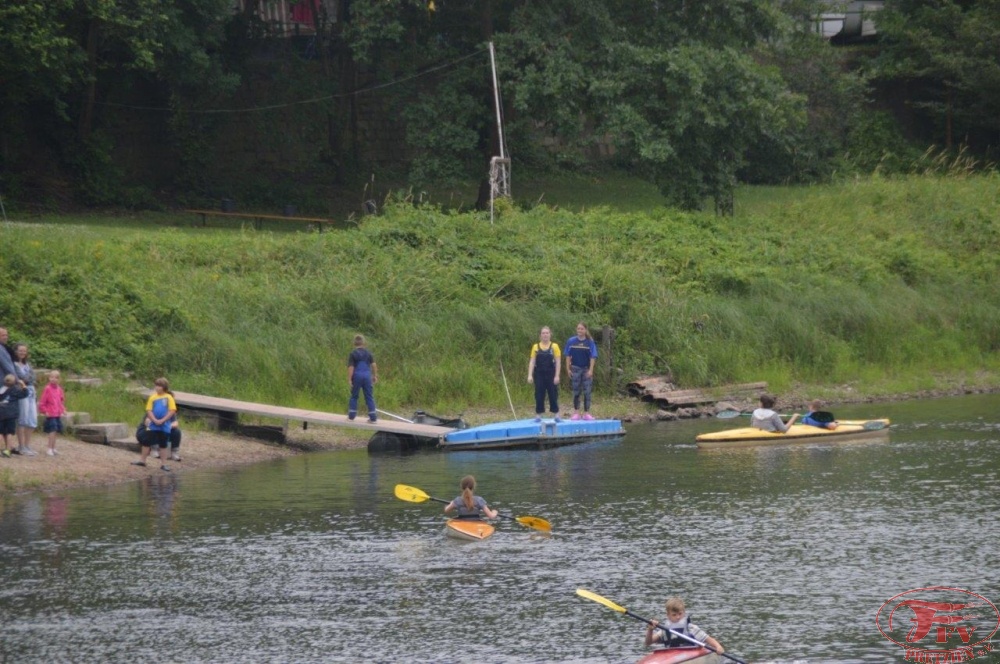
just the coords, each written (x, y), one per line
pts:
(784, 554)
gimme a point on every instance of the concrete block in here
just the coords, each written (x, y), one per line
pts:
(100, 433)
(128, 444)
(71, 419)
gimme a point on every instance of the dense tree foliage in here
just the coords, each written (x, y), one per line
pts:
(949, 50)
(694, 96)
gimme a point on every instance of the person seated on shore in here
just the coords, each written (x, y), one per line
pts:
(468, 504)
(175, 439)
(819, 418)
(765, 419)
(678, 625)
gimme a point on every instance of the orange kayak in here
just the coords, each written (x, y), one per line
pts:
(470, 530)
(688, 654)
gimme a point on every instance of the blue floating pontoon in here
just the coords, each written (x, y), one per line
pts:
(529, 433)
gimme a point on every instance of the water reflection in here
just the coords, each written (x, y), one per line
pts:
(784, 554)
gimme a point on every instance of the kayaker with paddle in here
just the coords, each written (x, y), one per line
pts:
(678, 625)
(765, 419)
(468, 504)
(819, 418)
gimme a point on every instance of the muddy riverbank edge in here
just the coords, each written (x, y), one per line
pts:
(80, 464)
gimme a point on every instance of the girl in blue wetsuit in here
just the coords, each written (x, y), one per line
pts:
(362, 374)
(543, 371)
(581, 354)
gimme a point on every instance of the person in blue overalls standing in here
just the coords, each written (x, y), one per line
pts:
(362, 374)
(543, 370)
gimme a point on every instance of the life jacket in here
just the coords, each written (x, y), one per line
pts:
(671, 640)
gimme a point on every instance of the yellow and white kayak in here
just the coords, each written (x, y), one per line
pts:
(848, 430)
(470, 530)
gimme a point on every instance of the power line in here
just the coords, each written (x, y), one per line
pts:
(314, 100)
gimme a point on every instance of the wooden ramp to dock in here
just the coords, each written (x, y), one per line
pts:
(662, 392)
(228, 410)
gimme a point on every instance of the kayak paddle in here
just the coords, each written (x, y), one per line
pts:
(586, 594)
(870, 425)
(730, 414)
(412, 494)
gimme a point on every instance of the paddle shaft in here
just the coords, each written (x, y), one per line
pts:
(448, 502)
(414, 495)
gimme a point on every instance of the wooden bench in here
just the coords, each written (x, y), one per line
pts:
(258, 219)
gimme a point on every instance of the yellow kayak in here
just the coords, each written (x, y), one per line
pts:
(797, 433)
(470, 530)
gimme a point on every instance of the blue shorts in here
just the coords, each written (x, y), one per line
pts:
(8, 427)
(53, 425)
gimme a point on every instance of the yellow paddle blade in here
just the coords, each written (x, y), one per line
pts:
(535, 522)
(600, 600)
(410, 494)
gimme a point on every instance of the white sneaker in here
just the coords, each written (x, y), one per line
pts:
(175, 457)
(27, 451)
(155, 455)
(51, 452)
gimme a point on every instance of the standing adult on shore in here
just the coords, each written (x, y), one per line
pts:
(6, 354)
(581, 355)
(27, 420)
(362, 374)
(544, 367)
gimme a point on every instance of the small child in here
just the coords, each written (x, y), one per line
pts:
(819, 418)
(10, 409)
(362, 374)
(678, 625)
(52, 405)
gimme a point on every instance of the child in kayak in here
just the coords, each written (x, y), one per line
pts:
(765, 419)
(819, 418)
(678, 623)
(468, 504)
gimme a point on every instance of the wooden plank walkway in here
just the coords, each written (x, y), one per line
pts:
(661, 391)
(226, 406)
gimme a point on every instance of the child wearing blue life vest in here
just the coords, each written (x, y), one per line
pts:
(362, 374)
(818, 418)
(671, 633)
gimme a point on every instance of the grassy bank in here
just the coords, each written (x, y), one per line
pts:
(884, 285)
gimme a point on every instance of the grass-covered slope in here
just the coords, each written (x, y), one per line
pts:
(887, 284)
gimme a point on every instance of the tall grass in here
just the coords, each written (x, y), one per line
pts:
(878, 282)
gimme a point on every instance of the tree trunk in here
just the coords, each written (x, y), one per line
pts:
(948, 121)
(86, 121)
